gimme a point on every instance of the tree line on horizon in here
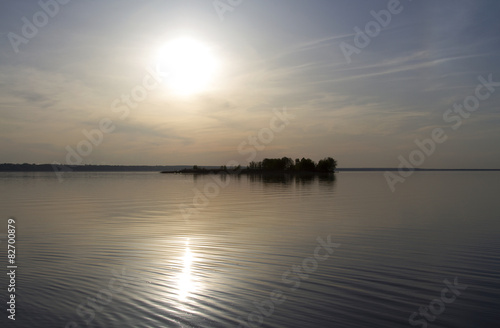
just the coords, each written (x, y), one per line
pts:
(286, 164)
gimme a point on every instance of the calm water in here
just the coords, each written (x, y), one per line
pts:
(116, 250)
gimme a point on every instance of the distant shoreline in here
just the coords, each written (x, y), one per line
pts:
(178, 168)
(245, 171)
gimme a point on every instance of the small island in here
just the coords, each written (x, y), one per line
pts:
(271, 166)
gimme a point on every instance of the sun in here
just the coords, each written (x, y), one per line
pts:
(186, 65)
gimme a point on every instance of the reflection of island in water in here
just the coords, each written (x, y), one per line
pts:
(275, 169)
(303, 178)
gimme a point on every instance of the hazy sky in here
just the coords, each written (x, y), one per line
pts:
(364, 106)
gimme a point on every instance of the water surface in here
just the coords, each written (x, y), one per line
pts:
(118, 250)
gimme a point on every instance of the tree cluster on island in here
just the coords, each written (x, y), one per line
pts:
(271, 165)
(286, 164)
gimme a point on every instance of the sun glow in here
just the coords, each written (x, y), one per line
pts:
(187, 66)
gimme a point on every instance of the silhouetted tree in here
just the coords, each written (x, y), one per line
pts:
(276, 164)
(327, 165)
(286, 164)
(305, 164)
(252, 165)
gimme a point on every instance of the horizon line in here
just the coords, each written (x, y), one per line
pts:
(217, 166)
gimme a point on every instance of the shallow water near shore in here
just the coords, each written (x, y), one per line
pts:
(154, 250)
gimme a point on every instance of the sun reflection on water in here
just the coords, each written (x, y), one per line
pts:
(186, 284)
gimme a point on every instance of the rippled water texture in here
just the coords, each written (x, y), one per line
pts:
(131, 250)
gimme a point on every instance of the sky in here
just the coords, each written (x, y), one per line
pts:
(367, 82)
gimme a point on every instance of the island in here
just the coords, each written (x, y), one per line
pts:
(270, 166)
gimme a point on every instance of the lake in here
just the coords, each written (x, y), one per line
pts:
(168, 250)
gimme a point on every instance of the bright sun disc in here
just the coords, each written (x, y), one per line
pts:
(186, 65)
